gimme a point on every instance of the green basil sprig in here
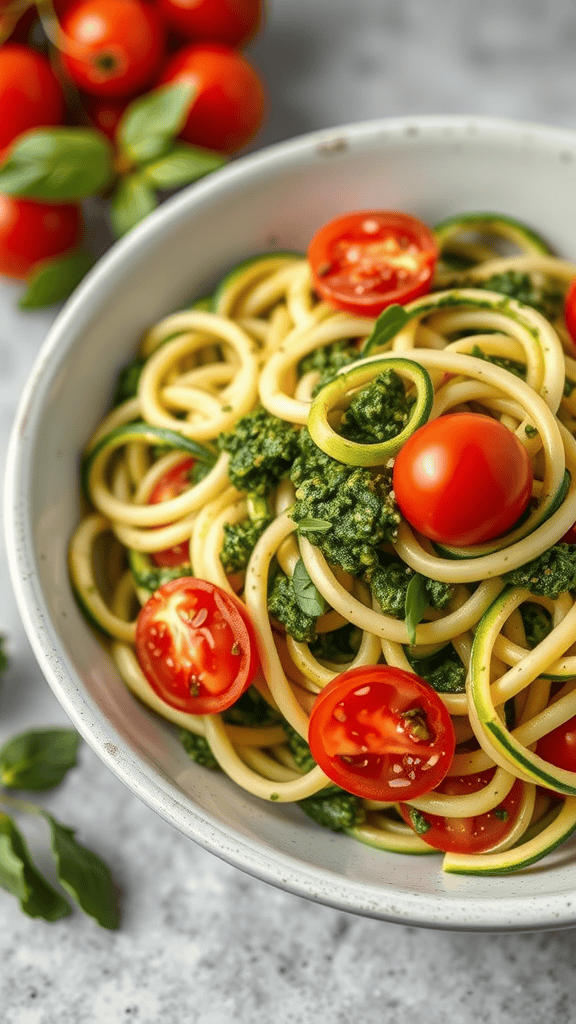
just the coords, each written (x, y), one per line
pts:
(308, 598)
(415, 604)
(39, 760)
(58, 165)
(389, 323)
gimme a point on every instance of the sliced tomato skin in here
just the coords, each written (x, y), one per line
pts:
(174, 482)
(462, 479)
(570, 310)
(196, 645)
(468, 835)
(354, 260)
(559, 746)
(363, 733)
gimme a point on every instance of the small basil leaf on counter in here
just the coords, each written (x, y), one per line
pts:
(150, 122)
(54, 280)
(308, 598)
(389, 323)
(19, 876)
(132, 201)
(84, 876)
(39, 759)
(181, 165)
(58, 164)
(415, 604)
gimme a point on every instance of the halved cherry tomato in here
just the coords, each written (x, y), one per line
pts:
(462, 479)
(227, 108)
(381, 733)
(30, 94)
(173, 483)
(570, 310)
(363, 262)
(466, 835)
(112, 47)
(31, 232)
(196, 645)
(233, 22)
(559, 746)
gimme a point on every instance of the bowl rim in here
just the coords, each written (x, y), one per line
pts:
(283, 870)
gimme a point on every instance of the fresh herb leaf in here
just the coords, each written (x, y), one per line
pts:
(181, 165)
(84, 876)
(150, 122)
(387, 326)
(39, 759)
(3, 657)
(308, 598)
(415, 605)
(58, 165)
(308, 527)
(420, 824)
(54, 280)
(132, 201)
(19, 876)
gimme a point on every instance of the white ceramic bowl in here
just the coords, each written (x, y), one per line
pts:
(431, 167)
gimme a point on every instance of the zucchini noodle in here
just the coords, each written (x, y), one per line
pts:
(263, 342)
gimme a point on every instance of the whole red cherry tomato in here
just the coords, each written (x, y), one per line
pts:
(112, 47)
(381, 733)
(16, 28)
(466, 835)
(233, 22)
(363, 262)
(559, 746)
(196, 646)
(31, 232)
(462, 479)
(228, 106)
(30, 94)
(570, 310)
(172, 483)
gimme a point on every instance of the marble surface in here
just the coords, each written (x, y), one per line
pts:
(200, 942)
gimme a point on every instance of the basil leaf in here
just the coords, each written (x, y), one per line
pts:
(149, 124)
(312, 526)
(308, 598)
(38, 759)
(19, 876)
(132, 201)
(389, 323)
(415, 604)
(84, 876)
(54, 280)
(58, 164)
(181, 165)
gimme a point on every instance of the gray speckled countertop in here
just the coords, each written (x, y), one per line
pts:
(200, 942)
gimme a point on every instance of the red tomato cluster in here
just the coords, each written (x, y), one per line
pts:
(111, 51)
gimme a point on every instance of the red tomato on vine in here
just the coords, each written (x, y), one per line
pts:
(31, 232)
(112, 47)
(228, 106)
(30, 94)
(233, 22)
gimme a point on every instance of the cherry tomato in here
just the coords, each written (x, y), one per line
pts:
(31, 232)
(570, 310)
(173, 482)
(16, 27)
(30, 94)
(196, 646)
(233, 22)
(559, 746)
(462, 479)
(104, 113)
(112, 47)
(381, 733)
(228, 106)
(467, 835)
(363, 262)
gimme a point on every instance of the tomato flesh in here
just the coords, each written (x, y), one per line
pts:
(173, 483)
(381, 733)
(196, 645)
(363, 262)
(467, 835)
(570, 310)
(462, 479)
(559, 746)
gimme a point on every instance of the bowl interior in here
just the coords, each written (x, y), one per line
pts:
(432, 168)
